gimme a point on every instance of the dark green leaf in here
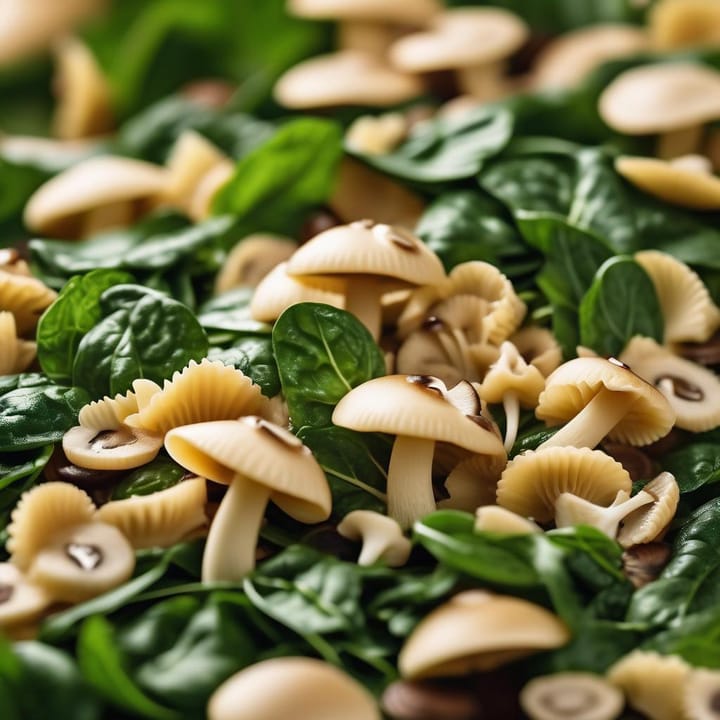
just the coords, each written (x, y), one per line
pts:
(694, 466)
(157, 475)
(231, 311)
(254, 357)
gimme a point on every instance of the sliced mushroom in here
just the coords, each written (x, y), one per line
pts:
(650, 522)
(571, 695)
(496, 519)
(121, 448)
(653, 684)
(702, 695)
(382, 538)
(21, 601)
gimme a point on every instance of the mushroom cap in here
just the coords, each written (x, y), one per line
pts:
(671, 182)
(26, 298)
(648, 523)
(661, 97)
(576, 695)
(539, 348)
(497, 519)
(348, 77)
(572, 56)
(414, 406)
(692, 390)
(476, 630)
(701, 693)
(688, 310)
(461, 38)
(368, 248)
(21, 601)
(256, 449)
(510, 373)
(92, 183)
(532, 481)
(677, 24)
(422, 353)
(382, 535)
(279, 688)
(121, 448)
(407, 12)
(575, 383)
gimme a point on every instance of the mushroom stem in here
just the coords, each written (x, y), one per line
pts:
(484, 82)
(594, 422)
(409, 484)
(462, 344)
(363, 299)
(230, 548)
(511, 406)
(676, 143)
(372, 38)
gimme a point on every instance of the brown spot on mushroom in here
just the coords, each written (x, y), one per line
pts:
(428, 382)
(86, 557)
(680, 387)
(400, 237)
(110, 439)
(642, 564)
(277, 433)
(6, 592)
(211, 92)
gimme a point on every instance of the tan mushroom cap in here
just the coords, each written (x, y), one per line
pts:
(533, 481)
(91, 184)
(688, 310)
(701, 692)
(473, 482)
(677, 24)
(344, 78)
(573, 696)
(692, 390)
(573, 55)
(15, 354)
(121, 448)
(279, 688)
(667, 181)
(661, 97)
(382, 538)
(21, 601)
(602, 397)
(653, 684)
(160, 519)
(539, 348)
(407, 12)
(461, 37)
(650, 522)
(497, 519)
(26, 298)
(476, 630)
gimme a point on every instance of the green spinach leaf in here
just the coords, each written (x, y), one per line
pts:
(254, 357)
(157, 475)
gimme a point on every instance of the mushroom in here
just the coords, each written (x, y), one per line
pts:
(261, 462)
(15, 354)
(702, 694)
(279, 688)
(26, 298)
(643, 564)
(673, 99)
(10, 260)
(84, 107)
(120, 448)
(204, 391)
(496, 519)
(692, 390)
(376, 135)
(689, 313)
(417, 410)
(475, 42)
(476, 630)
(57, 207)
(602, 398)
(511, 381)
(653, 684)
(650, 522)
(159, 519)
(675, 24)
(431, 351)
(473, 482)
(372, 258)
(571, 695)
(323, 82)
(572, 56)
(54, 539)
(200, 205)
(538, 347)
(21, 601)
(382, 538)
(671, 181)
(533, 481)
(251, 259)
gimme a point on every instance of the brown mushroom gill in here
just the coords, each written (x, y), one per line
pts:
(86, 557)
(679, 387)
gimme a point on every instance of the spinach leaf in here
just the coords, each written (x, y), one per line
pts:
(694, 465)
(446, 149)
(75, 311)
(275, 184)
(39, 415)
(691, 581)
(254, 357)
(149, 336)
(157, 475)
(322, 353)
(231, 312)
(18, 472)
(620, 303)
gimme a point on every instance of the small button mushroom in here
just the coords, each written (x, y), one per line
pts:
(15, 354)
(533, 481)
(416, 409)
(26, 298)
(691, 390)
(653, 684)
(702, 695)
(382, 538)
(602, 398)
(688, 310)
(372, 258)
(286, 688)
(642, 564)
(201, 392)
(261, 462)
(21, 601)
(476, 630)
(496, 519)
(675, 24)
(121, 448)
(571, 695)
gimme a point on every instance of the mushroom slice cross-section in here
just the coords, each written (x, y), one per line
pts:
(598, 398)
(261, 462)
(476, 630)
(21, 601)
(119, 448)
(417, 410)
(382, 538)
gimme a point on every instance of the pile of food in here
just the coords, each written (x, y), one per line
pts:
(360, 360)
